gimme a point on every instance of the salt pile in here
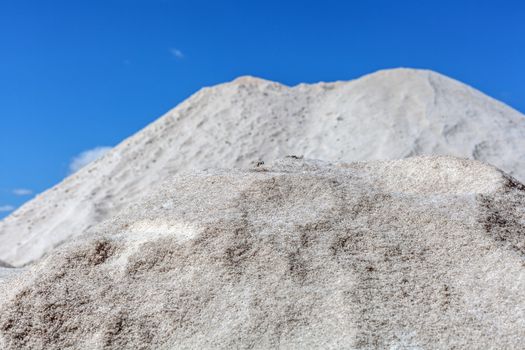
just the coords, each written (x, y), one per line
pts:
(390, 114)
(426, 252)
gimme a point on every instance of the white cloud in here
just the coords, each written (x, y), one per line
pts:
(6, 208)
(22, 192)
(87, 157)
(177, 53)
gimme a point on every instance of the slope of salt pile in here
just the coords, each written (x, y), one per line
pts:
(417, 253)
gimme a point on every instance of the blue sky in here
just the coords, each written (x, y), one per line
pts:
(75, 75)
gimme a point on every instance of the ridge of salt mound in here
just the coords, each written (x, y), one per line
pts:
(295, 254)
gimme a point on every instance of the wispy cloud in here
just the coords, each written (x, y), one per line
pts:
(22, 192)
(6, 208)
(87, 157)
(177, 53)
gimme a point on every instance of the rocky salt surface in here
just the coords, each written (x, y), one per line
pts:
(386, 115)
(427, 252)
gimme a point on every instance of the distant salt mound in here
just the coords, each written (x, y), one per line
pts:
(419, 253)
(391, 114)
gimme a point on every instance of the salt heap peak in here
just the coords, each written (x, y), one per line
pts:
(417, 253)
(390, 114)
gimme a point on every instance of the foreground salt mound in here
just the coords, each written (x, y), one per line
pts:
(416, 253)
(390, 114)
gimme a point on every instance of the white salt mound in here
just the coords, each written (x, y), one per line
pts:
(418, 253)
(390, 114)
